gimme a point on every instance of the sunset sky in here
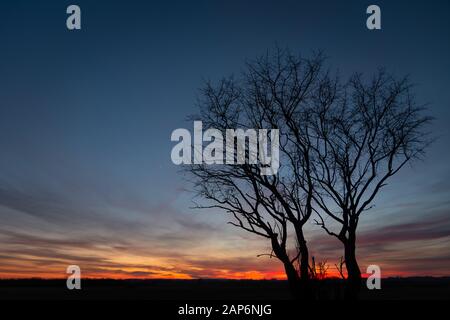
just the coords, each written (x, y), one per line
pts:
(86, 116)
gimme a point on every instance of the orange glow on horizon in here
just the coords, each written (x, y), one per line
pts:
(135, 267)
(222, 274)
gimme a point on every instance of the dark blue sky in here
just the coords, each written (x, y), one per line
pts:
(86, 118)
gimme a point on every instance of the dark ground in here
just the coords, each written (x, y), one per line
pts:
(392, 289)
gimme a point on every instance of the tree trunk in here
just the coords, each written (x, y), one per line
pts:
(305, 285)
(291, 274)
(304, 257)
(293, 280)
(354, 274)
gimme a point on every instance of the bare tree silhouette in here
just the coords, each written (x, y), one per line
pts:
(363, 134)
(340, 267)
(319, 270)
(339, 144)
(270, 94)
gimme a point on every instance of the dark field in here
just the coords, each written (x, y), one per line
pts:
(392, 289)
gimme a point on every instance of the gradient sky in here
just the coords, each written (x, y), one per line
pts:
(86, 117)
